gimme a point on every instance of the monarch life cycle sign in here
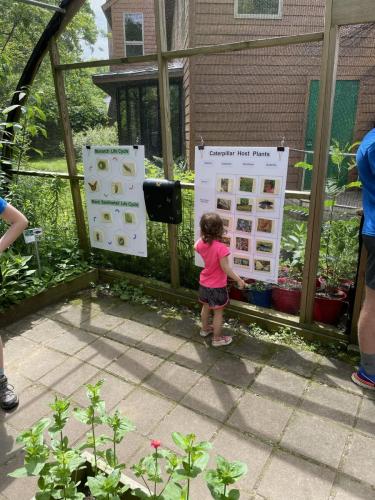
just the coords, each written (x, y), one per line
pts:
(116, 210)
(246, 187)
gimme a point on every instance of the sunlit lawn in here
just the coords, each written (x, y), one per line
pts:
(52, 165)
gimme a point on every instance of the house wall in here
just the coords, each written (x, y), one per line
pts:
(258, 97)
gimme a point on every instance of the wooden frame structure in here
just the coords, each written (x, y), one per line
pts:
(338, 13)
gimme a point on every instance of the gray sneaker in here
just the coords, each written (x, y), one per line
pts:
(8, 398)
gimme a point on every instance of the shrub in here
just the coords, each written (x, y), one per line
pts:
(97, 135)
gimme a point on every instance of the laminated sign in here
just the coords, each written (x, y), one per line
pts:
(114, 178)
(246, 187)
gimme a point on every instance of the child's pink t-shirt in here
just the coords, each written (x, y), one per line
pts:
(212, 275)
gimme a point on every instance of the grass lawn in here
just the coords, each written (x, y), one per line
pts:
(52, 165)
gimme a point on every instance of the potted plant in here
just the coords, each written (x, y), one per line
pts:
(236, 293)
(71, 473)
(260, 293)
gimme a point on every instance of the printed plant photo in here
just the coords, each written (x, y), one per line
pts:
(224, 204)
(129, 218)
(93, 186)
(262, 265)
(244, 225)
(246, 184)
(242, 244)
(244, 204)
(117, 188)
(241, 261)
(266, 205)
(227, 223)
(102, 165)
(224, 185)
(106, 217)
(121, 240)
(226, 240)
(97, 236)
(264, 246)
(129, 169)
(266, 226)
(270, 186)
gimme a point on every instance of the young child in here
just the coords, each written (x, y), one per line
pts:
(213, 293)
(18, 222)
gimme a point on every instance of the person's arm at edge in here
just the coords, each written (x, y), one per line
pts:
(224, 264)
(18, 223)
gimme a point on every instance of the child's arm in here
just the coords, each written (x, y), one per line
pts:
(18, 223)
(224, 264)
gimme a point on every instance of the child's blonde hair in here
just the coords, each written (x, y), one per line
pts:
(212, 227)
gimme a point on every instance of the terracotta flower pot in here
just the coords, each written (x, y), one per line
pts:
(329, 309)
(287, 297)
(236, 293)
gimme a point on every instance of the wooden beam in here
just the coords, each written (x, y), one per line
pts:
(359, 295)
(58, 78)
(261, 43)
(321, 157)
(166, 132)
(108, 62)
(352, 12)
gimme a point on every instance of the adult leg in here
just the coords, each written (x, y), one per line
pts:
(366, 325)
(1, 358)
(8, 398)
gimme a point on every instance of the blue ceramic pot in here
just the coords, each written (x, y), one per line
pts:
(260, 298)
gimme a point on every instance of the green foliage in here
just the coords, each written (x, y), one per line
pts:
(225, 474)
(99, 134)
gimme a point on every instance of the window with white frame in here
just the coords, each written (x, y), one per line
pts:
(261, 9)
(133, 32)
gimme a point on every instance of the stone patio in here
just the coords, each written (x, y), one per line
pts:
(304, 430)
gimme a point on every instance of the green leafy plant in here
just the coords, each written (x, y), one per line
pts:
(64, 473)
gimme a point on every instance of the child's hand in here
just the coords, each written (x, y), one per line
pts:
(241, 284)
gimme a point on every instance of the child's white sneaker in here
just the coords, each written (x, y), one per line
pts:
(220, 341)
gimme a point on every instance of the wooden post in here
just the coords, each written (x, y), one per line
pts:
(166, 132)
(58, 79)
(321, 156)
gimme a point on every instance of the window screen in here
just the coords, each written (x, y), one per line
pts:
(258, 8)
(133, 27)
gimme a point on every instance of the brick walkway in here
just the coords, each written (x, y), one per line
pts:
(305, 431)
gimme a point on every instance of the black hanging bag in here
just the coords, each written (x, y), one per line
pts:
(163, 200)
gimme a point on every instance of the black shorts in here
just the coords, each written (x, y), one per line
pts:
(216, 298)
(369, 242)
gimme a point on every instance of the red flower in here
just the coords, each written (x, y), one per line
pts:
(155, 443)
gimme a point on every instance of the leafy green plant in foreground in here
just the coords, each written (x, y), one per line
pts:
(166, 475)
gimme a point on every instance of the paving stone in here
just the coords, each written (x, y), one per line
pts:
(260, 416)
(134, 365)
(280, 385)
(185, 421)
(72, 341)
(25, 324)
(336, 373)
(172, 381)
(101, 352)
(212, 398)
(360, 460)
(76, 316)
(348, 489)
(235, 446)
(40, 363)
(161, 344)
(155, 318)
(331, 403)
(32, 407)
(302, 363)
(130, 332)
(52, 309)
(197, 356)
(101, 323)
(248, 347)
(127, 310)
(18, 349)
(128, 448)
(8, 445)
(16, 489)
(69, 376)
(185, 326)
(144, 409)
(292, 478)
(366, 417)
(113, 390)
(45, 331)
(301, 437)
(234, 370)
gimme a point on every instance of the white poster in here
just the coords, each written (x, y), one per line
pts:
(246, 187)
(114, 178)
